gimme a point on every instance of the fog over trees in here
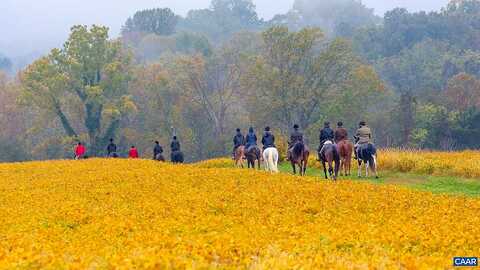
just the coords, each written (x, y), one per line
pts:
(202, 71)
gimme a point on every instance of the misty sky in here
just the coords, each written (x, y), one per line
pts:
(28, 26)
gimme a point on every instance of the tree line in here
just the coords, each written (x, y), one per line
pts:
(413, 76)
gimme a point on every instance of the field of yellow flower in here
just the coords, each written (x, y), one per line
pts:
(463, 164)
(127, 214)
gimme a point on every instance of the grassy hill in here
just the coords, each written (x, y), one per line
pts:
(142, 214)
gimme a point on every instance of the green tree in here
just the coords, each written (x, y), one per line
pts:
(223, 19)
(340, 17)
(160, 21)
(298, 77)
(91, 71)
(211, 88)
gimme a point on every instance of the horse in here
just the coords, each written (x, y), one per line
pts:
(329, 154)
(298, 155)
(177, 157)
(270, 158)
(345, 149)
(160, 157)
(240, 156)
(367, 154)
(253, 154)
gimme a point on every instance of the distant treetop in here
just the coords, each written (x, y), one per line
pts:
(160, 21)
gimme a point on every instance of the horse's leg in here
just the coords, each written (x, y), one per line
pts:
(305, 164)
(343, 167)
(336, 169)
(349, 166)
(374, 166)
(359, 168)
(293, 167)
(330, 169)
(367, 164)
(325, 169)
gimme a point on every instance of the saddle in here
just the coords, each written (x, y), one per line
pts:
(365, 151)
(327, 144)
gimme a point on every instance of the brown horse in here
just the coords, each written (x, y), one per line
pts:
(253, 154)
(298, 155)
(240, 156)
(345, 149)
(329, 154)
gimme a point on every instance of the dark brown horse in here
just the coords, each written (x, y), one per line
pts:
(329, 154)
(253, 154)
(240, 156)
(345, 149)
(298, 156)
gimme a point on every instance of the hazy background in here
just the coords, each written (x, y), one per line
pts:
(35, 26)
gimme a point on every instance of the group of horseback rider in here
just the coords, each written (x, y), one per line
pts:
(250, 140)
(327, 134)
(112, 151)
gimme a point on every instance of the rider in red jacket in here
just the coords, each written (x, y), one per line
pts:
(133, 153)
(80, 151)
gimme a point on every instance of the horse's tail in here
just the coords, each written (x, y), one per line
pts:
(272, 159)
(298, 149)
(372, 149)
(345, 149)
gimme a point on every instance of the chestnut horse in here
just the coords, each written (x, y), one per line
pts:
(345, 149)
(298, 155)
(240, 156)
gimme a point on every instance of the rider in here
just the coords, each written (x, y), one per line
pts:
(363, 136)
(175, 145)
(238, 140)
(80, 151)
(250, 139)
(112, 149)
(326, 134)
(157, 150)
(295, 136)
(268, 140)
(133, 153)
(341, 133)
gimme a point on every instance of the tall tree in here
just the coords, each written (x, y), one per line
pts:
(223, 19)
(298, 76)
(89, 70)
(212, 84)
(160, 21)
(340, 17)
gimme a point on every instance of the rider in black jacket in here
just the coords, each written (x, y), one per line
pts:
(157, 151)
(326, 134)
(268, 139)
(238, 141)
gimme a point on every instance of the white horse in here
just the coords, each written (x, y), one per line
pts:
(270, 158)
